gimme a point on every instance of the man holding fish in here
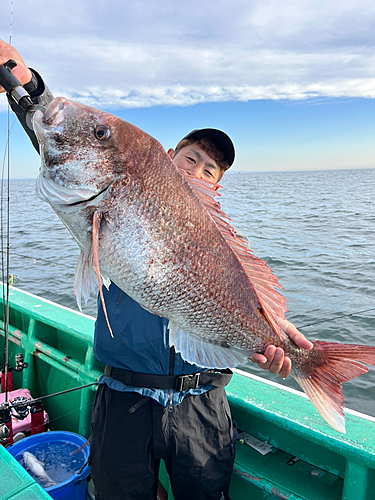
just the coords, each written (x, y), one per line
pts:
(152, 403)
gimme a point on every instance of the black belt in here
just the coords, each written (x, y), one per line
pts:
(217, 378)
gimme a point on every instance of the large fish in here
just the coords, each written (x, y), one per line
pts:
(160, 236)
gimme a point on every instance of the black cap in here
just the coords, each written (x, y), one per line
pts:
(218, 138)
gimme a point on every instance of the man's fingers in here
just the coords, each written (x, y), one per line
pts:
(298, 338)
(21, 71)
(272, 359)
(277, 361)
(258, 358)
(264, 360)
(285, 369)
(269, 354)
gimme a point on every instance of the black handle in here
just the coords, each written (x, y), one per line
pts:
(13, 86)
(7, 80)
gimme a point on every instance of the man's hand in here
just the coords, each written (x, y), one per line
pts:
(21, 71)
(273, 358)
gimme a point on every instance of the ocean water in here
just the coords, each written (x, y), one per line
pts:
(315, 230)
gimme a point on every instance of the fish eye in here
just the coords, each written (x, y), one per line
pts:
(102, 133)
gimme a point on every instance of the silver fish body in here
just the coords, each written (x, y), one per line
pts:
(161, 237)
(37, 468)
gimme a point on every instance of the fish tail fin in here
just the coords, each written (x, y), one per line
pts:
(334, 364)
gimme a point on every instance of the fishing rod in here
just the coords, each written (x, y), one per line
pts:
(20, 407)
(6, 307)
(47, 261)
(334, 319)
(18, 94)
(37, 400)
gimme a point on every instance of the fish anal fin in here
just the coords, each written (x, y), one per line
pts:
(259, 274)
(323, 385)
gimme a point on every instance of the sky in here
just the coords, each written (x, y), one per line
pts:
(292, 82)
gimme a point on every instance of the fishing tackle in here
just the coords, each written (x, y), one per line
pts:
(334, 319)
(20, 364)
(37, 417)
(20, 406)
(15, 405)
(6, 431)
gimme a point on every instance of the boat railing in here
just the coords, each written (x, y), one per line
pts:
(284, 448)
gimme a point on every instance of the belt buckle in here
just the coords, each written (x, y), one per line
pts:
(185, 382)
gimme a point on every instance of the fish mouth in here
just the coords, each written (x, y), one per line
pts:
(95, 197)
(55, 194)
(52, 120)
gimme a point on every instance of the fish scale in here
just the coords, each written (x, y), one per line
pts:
(159, 234)
(172, 263)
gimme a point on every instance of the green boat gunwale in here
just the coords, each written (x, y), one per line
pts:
(309, 460)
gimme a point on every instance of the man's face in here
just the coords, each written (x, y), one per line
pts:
(196, 161)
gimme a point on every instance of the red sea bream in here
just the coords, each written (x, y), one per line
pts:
(161, 237)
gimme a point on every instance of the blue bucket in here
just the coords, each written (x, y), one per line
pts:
(61, 444)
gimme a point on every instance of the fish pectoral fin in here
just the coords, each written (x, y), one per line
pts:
(259, 274)
(106, 281)
(85, 281)
(340, 363)
(85, 277)
(204, 354)
(96, 220)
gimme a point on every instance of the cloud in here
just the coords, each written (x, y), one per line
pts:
(165, 53)
(178, 95)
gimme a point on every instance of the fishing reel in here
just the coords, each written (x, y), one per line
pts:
(20, 364)
(5, 423)
(20, 407)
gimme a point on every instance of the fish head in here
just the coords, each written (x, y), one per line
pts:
(83, 150)
(26, 457)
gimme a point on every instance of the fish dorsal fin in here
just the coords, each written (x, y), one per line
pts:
(260, 275)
